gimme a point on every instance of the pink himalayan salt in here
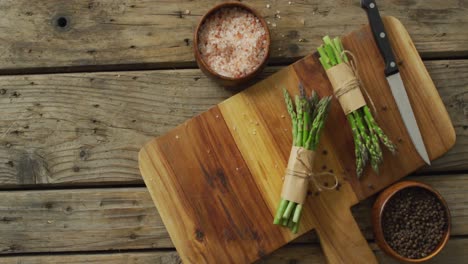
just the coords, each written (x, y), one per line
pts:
(232, 42)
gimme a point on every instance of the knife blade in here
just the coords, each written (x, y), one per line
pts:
(394, 79)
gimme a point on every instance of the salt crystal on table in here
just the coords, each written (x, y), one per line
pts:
(232, 42)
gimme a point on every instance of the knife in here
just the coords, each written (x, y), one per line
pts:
(394, 79)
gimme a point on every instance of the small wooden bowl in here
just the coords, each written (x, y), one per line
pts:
(223, 80)
(377, 212)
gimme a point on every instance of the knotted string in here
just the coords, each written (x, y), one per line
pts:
(309, 175)
(354, 83)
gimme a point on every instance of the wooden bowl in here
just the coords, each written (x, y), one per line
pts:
(224, 80)
(377, 212)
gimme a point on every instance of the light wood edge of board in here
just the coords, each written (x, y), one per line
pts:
(393, 26)
(175, 226)
(246, 134)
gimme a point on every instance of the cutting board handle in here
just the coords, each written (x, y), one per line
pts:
(342, 240)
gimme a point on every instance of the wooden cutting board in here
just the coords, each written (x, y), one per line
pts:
(216, 179)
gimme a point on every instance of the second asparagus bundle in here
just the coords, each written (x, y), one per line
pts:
(346, 86)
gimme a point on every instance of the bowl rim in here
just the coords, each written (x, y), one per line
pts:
(379, 207)
(214, 9)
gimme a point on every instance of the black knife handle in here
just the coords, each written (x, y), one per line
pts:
(381, 37)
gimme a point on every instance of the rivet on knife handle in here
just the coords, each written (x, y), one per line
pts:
(381, 38)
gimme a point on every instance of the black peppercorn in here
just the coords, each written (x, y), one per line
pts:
(414, 222)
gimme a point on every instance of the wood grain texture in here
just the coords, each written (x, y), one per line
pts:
(70, 129)
(124, 219)
(301, 254)
(145, 34)
(208, 194)
(248, 121)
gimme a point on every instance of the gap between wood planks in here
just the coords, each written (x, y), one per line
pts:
(106, 185)
(275, 62)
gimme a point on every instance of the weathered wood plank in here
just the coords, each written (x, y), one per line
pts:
(120, 33)
(454, 253)
(75, 220)
(114, 219)
(87, 128)
(156, 257)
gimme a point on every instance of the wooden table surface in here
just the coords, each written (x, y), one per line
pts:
(84, 84)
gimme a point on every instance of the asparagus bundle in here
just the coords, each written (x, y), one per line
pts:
(308, 119)
(366, 131)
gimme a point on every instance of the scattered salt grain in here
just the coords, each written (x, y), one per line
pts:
(237, 169)
(177, 137)
(268, 22)
(217, 116)
(232, 42)
(277, 12)
(274, 24)
(187, 12)
(268, 6)
(301, 40)
(289, 2)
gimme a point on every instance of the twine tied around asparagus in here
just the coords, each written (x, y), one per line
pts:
(354, 83)
(310, 175)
